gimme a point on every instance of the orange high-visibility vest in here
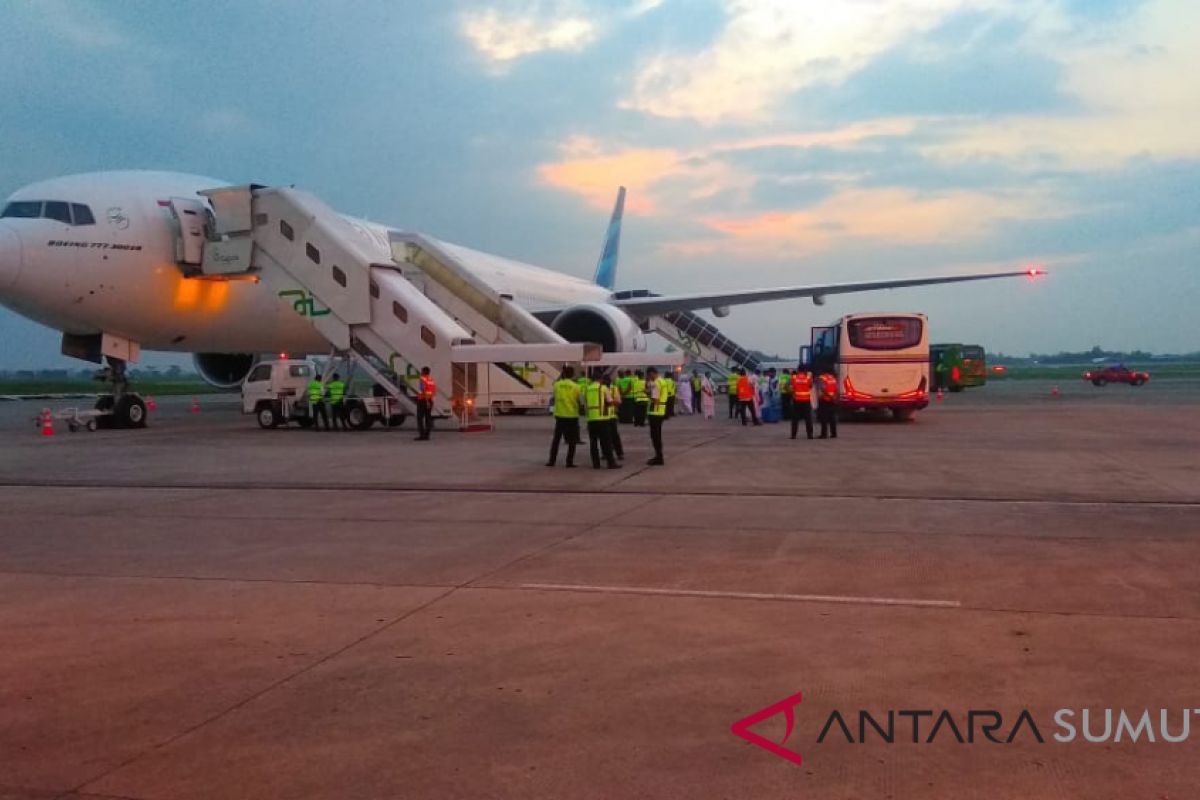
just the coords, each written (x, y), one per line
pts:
(744, 391)
(428, 387)
(828, 387)
(802, 387)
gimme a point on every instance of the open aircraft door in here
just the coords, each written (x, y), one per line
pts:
(190, 217)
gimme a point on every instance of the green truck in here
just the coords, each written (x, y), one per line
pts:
(954, 367)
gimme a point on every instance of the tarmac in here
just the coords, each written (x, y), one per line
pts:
(204, 609)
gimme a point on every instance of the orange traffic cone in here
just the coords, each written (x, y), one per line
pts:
(195, 406)
(940, 394)
(150, 404)
(47, 423)
(1054, 392)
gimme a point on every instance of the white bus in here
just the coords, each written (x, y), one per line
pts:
(881, 361)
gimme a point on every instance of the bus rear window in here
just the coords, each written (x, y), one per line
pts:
(884, 333)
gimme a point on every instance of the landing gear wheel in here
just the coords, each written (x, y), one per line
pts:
(267, 416)
(129, 412)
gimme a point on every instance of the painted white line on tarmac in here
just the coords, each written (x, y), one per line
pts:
(795, 598)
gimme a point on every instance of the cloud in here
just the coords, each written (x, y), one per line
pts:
(1133, 91)
(519, 29)
(665, 178)
(79, 24)
(503, 37)
(892, 215)
(772, 48)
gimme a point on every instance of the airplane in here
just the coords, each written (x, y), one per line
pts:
(96, 256)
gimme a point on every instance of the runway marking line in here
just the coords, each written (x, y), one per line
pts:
(795, 598)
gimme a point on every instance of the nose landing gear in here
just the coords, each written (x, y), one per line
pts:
(123, 408)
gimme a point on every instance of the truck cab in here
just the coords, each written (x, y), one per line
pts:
(276, 391)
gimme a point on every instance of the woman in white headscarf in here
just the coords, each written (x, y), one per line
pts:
(683, 395)
(708, 396)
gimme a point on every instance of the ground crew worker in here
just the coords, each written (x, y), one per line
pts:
(566, 416)
(668, 379)
(596, 402)
(697, 387)
(657, 413)
(827, 410)
(801, 401)
(745, 398)
(625, 387)
(614, 430)
(641, 400)
(337, 403)
(426, 391)
(785, 394)
(316, 404)
(731, 390)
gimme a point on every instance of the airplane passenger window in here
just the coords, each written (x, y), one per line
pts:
(23, 209)
(58, 210)
(82, 214)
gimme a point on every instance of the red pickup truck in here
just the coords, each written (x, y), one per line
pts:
(1116, 374)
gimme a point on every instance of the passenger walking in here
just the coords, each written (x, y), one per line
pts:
(566, 416)
(657, 413)
(800, 401)
(687, 399)
(708, 396)
(426, 392)
(337, 403)
(596, 402)
(316, 404)
(827, 409)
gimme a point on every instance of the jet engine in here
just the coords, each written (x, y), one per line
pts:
(224, 370)
(607, 326)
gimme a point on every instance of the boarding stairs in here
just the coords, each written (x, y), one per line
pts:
(700, 340)
(392, 299)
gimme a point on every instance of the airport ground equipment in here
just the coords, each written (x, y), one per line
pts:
(394, 303)
(700, 340)
(276, 393)
(76, 418)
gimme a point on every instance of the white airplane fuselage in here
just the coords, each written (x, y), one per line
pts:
(119, 275)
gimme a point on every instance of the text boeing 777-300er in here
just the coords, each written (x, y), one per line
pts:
(95, 256)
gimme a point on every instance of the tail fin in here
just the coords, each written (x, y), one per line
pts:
(606, 267)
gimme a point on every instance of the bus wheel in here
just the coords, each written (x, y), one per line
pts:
(902, 414)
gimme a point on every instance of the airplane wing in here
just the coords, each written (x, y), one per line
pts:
(650, 305)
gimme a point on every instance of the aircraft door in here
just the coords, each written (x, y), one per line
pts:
(190, 217)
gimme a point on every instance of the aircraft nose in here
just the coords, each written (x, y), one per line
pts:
(10, 256)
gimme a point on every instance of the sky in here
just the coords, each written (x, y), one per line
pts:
(764, 142)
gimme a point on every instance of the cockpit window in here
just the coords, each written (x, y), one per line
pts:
(70, 213)
(23, 209)
(58, 210)
(82, 214)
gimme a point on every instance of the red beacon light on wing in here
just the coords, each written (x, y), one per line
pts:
(1035, 272)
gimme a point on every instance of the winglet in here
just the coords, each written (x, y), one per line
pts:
(606, 267)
